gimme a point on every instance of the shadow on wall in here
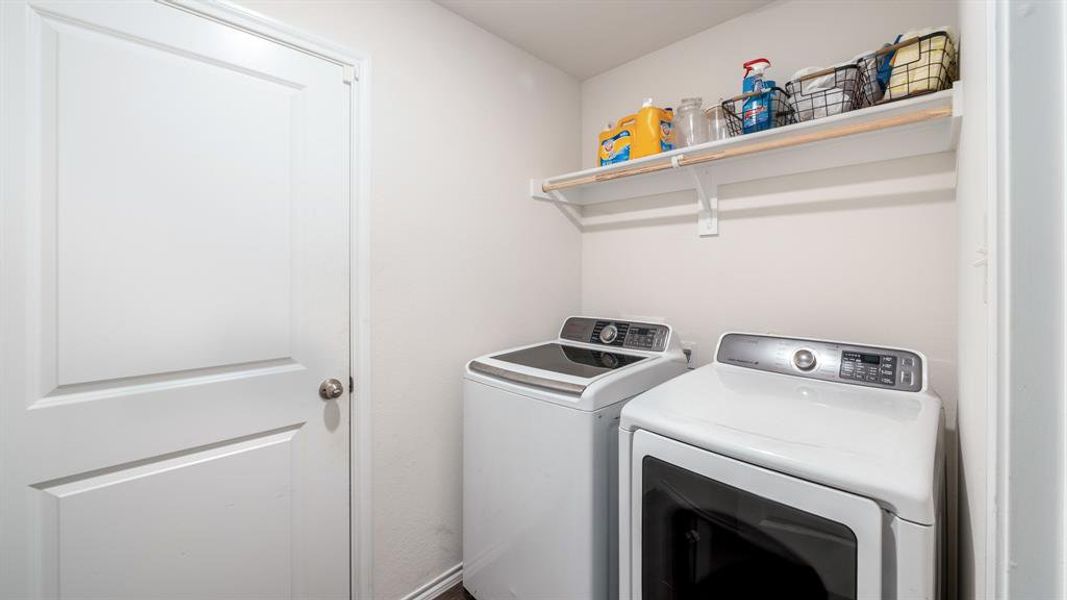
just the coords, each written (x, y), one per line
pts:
(902, 182)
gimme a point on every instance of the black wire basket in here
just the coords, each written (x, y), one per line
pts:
(826, 92)
(919, 65)
(781, 112)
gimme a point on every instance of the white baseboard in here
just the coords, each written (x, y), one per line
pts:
(438, 585)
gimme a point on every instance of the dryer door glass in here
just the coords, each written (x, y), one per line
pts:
(701, 538)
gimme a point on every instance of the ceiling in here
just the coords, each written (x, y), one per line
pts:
(586, 37)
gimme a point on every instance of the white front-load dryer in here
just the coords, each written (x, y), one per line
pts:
(540, 456)
(788, 468)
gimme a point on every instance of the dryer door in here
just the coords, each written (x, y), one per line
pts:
(707, 526)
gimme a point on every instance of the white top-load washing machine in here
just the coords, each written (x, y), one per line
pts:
(788, 468)
(540, 458)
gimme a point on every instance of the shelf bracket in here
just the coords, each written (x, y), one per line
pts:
(537, 192)
(707, 189)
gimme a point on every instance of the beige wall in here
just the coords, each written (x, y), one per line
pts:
(867, 253)
(461, 120)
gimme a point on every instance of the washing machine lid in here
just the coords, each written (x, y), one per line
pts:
(594, 363)
(587, 378)
(567, 359)
(882, 444)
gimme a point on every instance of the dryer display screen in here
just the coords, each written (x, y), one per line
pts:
(871, 368)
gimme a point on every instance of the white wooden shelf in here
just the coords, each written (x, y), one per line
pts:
(914, 127)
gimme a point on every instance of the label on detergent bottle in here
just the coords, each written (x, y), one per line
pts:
(665, 144)
(615, 149)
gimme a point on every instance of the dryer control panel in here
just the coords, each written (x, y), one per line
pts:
(887, 368)
(650, 337)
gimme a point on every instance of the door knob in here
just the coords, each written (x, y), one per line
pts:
(331, 389)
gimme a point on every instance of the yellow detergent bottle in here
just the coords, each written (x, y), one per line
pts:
(652, 131)
(615, 142)
(633, 136)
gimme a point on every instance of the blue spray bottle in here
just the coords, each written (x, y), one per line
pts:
(757, 113)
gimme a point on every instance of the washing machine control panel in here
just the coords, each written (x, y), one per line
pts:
(650, 337)
(886, 368)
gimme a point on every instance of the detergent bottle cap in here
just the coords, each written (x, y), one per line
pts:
(759, 65)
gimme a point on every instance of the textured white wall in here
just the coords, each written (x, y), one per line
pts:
(462, 261)
(866, 253)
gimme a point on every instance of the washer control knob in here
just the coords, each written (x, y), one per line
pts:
(609, 333)
(804, 359)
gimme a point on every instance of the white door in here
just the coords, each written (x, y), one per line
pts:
(173, 289)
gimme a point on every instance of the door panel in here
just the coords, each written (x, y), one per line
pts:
(208, 210)
(174, 287)
(139, 529)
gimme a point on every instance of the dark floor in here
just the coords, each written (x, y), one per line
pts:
(456, 592)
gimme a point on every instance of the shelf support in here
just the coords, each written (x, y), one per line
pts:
(537, 191)
(707, 189)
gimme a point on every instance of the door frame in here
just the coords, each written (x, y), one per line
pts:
(357, 66)
(1027, 552)
(861, 515)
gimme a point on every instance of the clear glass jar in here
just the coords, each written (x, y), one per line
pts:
(720, 129)
(691, 125)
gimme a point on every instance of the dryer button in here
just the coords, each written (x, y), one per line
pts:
(804, 360)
